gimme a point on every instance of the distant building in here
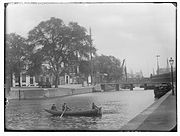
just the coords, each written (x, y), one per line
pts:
(69, 77)
(136, 75)
(25, 80)
(164, 70)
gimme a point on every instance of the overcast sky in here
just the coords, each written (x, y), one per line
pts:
(136, 32)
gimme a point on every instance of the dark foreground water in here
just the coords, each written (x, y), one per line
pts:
(118, 108)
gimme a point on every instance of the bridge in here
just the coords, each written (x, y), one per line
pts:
(147, 83)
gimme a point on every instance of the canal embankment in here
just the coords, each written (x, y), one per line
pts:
(35, 92)
(62, 90)
(160, 116)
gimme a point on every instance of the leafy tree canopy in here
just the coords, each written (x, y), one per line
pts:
(16, 56)
(108, 65)
(59, 44)
(16, 51)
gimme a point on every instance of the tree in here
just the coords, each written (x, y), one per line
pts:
(85, 68)
(59, 44)
(108, 65)
(34, 63)
(16, 51)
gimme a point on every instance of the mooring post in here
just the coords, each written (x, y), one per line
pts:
(19, 95)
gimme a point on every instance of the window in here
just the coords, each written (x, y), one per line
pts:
(31, 80)
(16, 79)
(23, 77)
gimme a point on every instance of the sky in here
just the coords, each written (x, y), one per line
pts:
(136, 32)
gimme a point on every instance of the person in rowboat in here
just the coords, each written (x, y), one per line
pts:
(54, 107)
(65, 107)
(94, 106)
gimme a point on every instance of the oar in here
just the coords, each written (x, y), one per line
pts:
(63, 113)
(89, 101)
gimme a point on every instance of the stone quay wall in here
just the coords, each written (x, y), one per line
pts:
(35, 93)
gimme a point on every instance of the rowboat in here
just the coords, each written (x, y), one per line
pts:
(89, 113)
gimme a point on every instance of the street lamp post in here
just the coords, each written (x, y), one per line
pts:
(157, 64)
(171, 61)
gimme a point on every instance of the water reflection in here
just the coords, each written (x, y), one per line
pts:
(118, 108)
(73, 123)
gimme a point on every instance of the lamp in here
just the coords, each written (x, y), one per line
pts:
(171, 61)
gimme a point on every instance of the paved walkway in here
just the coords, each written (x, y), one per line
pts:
(160, 116)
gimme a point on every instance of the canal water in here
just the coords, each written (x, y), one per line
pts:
(118, 108)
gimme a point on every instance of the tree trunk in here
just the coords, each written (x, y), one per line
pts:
(56, 80)
(8, 82)
(7, 85)
(11, 79)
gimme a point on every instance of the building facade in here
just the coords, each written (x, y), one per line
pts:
(36, 81)
(25, 80)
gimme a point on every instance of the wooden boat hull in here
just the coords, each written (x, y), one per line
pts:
(93, 112)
